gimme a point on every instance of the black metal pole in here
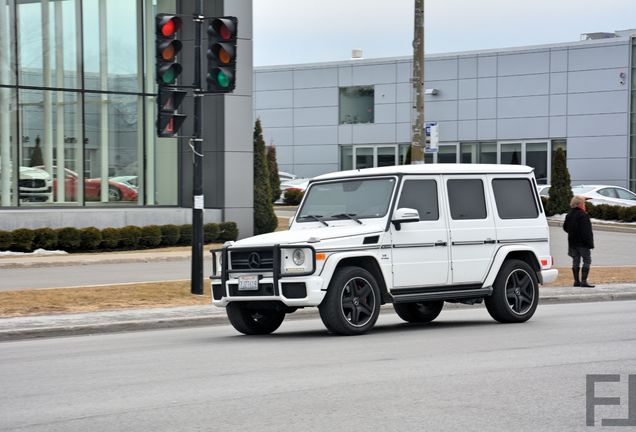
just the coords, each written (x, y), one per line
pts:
(197, 158)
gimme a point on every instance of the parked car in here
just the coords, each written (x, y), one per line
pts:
(92, 188)
(130, 181)
(385, 235)
(543, 190)
(34, 185)
(606, 194)
(284, 176)
(298, 184)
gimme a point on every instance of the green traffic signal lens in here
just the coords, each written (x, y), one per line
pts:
(223, 79)
(168, 76)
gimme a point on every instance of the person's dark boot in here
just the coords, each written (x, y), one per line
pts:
(584, 283)
(575, 273)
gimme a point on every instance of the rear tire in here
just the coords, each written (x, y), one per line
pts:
(515, 294)
(352, 304)
(422, 312)
(254, 321)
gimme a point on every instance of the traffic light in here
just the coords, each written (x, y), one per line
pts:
(167, 48)
(221, 72)
(169, 121)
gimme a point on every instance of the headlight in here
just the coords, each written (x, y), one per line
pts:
(298, 260)
(298, 257)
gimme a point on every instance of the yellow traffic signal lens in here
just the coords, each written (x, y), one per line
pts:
(225, 57)
(168, 53)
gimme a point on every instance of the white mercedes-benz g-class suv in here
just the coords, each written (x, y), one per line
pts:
(412, 235)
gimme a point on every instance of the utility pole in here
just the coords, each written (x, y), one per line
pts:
(418, 140)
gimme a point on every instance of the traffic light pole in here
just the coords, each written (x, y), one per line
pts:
(196, 144)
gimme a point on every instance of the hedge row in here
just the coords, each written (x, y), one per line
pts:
(126, 238)
(604, 211)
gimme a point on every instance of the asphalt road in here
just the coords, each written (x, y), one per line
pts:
(462, 372)
(612, 249)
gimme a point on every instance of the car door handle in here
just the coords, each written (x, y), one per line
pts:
(490, 241)
(440, 243)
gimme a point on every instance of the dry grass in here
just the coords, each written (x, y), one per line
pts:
(177, 293)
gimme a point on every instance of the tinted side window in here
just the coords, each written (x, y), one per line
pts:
(466, 199)
(422, 196)
(514, 199)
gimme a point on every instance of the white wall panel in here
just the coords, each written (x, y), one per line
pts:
(486, 129)
(600, 57)
(604, 146)
(273, 80)
(467, 109)
(316, 135)
(536, 127)
(467, 130)
(523, 85)
(487, 87)
(526, 106)
(467, 67)
(318, 77)
(486, 66)
(523, 63)
(384, 113)
(597, 125)
(275, 117)
(467, 89)
(486, 108)
(322, 116)
(558, 61)
(558, 82)
(273, 99)
(597, 103)
(373, 133)
(595, 80)
(385, 93)
(440, 69)
(316, 97)
(374, 74)
(323, 154)
(278, 136)
(558, 127)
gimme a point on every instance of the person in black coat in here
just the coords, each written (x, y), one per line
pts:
(580, 240)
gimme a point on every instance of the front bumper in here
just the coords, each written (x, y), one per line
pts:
(549, 276)
(297, 290)
(286, 291)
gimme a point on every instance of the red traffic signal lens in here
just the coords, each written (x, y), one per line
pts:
(224, 32)
(224, 28)
(171, 26)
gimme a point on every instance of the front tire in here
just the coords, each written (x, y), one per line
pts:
(352, 304)
(422, 312)
(515, 294)
(254, 321)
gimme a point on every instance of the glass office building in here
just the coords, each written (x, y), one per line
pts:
(77, 105)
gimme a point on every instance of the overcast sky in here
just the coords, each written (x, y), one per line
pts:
(307, 31)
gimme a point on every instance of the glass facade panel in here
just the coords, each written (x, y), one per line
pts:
(364, 157)
(8, 135)
(488, 153)
(51, 145)
(111, 45)
(511, 153)
(386, 156)
(7, 43)
(447, 154)
(114, 143)
(468, 153)
(537, 157)
(356, 105)
(48, 43)
(346, 158)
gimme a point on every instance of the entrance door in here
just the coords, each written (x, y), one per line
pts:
(473, 236)
(420, 249)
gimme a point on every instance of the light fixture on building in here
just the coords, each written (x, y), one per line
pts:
(431, 92)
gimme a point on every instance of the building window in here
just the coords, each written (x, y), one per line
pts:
(360, 157)
(356, 104)
(537, 157)
(632, 129)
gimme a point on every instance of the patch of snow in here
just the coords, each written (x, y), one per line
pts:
(37, 252)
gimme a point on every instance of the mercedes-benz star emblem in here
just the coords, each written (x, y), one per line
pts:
(254, 260)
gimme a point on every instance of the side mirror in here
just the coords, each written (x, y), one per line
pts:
(404, 215)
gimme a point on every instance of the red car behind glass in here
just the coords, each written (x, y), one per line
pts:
(92, 188)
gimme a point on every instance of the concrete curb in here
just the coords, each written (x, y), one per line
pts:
(219, 318)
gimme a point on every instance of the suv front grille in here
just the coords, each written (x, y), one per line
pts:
(252, 260)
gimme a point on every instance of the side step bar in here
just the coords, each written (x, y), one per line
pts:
(440, 295)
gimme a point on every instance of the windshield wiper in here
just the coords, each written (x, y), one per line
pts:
(351, 216)
(317, 218)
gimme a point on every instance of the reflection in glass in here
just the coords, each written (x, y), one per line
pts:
(468, 153)
(7, 72)
(112, 146)
(487, 153)
(346, 158)
(47, 43)
(447, 154)
(7, 137)
(111, 45)
(364, 157)
(356, 104)
(537, 157)
(50, 124)
(386, 156)
(511, 153)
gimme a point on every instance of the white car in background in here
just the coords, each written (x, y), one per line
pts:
(299, 184)
(35, 185)
(285, 176)
(543, 190)
(606, 194)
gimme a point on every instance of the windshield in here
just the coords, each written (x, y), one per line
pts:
(368, 198)
(582, 189)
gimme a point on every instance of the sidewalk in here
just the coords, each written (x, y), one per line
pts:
(145, 319)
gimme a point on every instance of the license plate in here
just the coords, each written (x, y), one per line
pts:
(248, 283)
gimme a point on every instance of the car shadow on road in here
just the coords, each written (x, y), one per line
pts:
(321, 332)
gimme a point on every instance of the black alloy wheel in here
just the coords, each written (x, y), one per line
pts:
(352, 303)
(515, 294)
